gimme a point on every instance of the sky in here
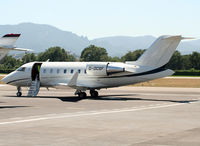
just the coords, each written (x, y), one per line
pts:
(102, 18)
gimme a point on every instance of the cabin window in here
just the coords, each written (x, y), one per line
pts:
(72, 71)
(85, 71)
(21, 69)
(79, 71)
(51, 70)
(58, 71)
(44, 71)
(65, 71)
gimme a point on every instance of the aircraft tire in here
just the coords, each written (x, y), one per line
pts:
(94, 93)
(82, 95)
(19, 94)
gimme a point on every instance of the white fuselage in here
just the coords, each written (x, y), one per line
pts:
(91, 75)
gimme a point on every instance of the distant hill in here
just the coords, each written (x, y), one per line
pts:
(119, 45)
(41, 36)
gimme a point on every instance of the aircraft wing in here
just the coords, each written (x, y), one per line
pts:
(72, 83)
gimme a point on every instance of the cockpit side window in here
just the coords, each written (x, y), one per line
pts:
(21, 69)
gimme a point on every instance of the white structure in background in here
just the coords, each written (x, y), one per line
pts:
(7, 43)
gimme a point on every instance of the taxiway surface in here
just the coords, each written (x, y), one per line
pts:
(120, 116)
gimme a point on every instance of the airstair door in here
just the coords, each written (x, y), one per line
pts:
(35, 83)
(35, 74)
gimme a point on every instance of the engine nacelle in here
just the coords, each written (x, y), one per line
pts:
(103, 69)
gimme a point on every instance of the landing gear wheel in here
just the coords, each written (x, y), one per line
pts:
(19, 94)
(82, 95)
(94, 93)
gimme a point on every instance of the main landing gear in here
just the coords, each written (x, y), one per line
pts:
(82, 94)
(19, 93)
(94, 93)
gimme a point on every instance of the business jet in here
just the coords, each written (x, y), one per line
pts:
(7, 43)
(94, 76)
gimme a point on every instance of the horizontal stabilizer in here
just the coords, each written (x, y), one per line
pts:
(187, 38)
(22, 49)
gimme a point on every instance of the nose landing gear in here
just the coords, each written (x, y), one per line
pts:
(19, 93)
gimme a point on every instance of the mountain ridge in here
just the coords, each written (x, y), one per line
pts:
(40, 37)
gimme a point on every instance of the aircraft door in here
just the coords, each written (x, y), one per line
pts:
(35, 74)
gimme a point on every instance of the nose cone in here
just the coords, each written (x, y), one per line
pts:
(10, 77)
(5, 79)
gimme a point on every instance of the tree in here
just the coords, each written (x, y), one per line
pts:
(10, 63)
(176, 61)
(186, 62)
(55, 54)
(93, 53)
(114, 59)
(29, 58)
(132, 55)
(195, 60)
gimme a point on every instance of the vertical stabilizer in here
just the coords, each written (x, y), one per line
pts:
(9, 40)
(160, 52)
(7, 43)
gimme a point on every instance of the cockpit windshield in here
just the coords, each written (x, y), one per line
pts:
(21, 69)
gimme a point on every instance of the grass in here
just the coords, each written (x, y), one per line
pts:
(183, 76)
(3, 73)
(0, 79)
(171, 82)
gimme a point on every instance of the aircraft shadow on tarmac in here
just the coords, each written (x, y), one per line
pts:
(118, 97)
(114, 98)
(10, 106)
(4, 107)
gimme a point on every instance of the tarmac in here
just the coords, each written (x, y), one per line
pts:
(125, 116)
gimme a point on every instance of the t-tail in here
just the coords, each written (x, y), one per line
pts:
(7, 43)
(160, 52)
(8, 40)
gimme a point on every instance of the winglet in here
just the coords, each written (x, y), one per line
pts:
(73, 80)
